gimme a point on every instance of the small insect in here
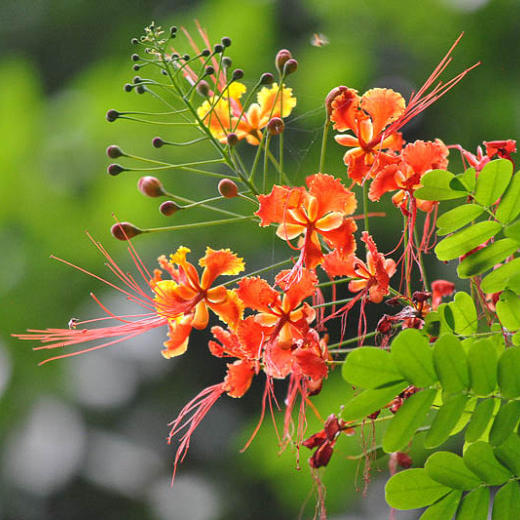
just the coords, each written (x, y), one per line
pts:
(73, 322)
(319, 40)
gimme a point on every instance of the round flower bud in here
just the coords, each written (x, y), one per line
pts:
(238, 74)
(266, 79)
(202, 88)
(135, 57)
(150, 186)
(290, 67)
(276, 126)
(186, 57)
(140, 89)
(226, 62)
(114, 151)
(127, 87)
(112, 115)
(136, 67)
(282, 56)
(331, 96)
(157, 142)
(134, 41)
(115, 169)
(232, 139)
(173, 31)
(205, 53)
(218, 48)
(124, 231)
(228, 188)
(226, 42)
(209, 70)
(168, 208)
(137, 79)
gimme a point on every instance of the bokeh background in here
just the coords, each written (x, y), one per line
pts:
(85, 437)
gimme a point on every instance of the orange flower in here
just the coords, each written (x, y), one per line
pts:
(367, 117)
(194, 295)
(320, 211)
(223, 113)
(372, 277)
(405, 176)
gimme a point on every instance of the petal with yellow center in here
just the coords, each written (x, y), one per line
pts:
(288, 231)
(230, 310)
(329, 222)
(179, 333)
(220, 262)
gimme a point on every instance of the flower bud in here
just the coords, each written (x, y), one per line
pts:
(150, 186)
(157, 142)
(226, 41)
(135, 57)
(202, 88)
(403, 460)
(173, 31)
(186, 57)
(209, 70)
(290, 67)
(168, 208)
(226, 62)
(228, 188)
(114, 151)
(266, 79)
(218, 48)
(205, 53)
(115, 169)
(238, 74)
(124, 231)
(112, 115)
(136, 67)
(232, 139)
(128, 87)
(276, 126)
(283, 56)
(134, 41)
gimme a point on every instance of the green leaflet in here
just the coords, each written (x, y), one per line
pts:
(464, 314)
(451, 364)
(474, 505)
(370, 367)
(371, 400)
(480, 420)
(482, 359)
(409, 417)
(508, 310)
(508, 453)
(413, 357)
(513, 231)
(466, 415)
(506, 505)
(479, 458)
(465, 240)
(457, 218)
(468, 178)
(497, 280)
(509, 207)
(509, 373)
(505, 422)
(436, 186)
(487, 258)
(444, 508)
(413, 488)
(450, 469)
(492, 181)
(446, 419)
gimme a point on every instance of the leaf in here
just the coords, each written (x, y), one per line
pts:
(457, 218)
(444, 508)
(508, 453)
(449, 469)
(479, 458)
(464, 314)
(513, 231)
(509, 373)
(466, 416)
(408, 418)
(371, 400)
(487, 258)
(436, 186)
(480, 420)
(446, 419)
(506, 505)
(465, 240)
(504, 423)
(451, 364)
(413, 488)
(492, 181)
(370, 367)
(469, 179)
(509, 207)
(474, 505)
(413, 357)
(482, 359)
(497, 280)
(508, 310)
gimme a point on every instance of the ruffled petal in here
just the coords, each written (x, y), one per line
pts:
(383, 106)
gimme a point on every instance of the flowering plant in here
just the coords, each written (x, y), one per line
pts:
(435, 367)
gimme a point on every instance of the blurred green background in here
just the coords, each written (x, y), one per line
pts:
(85, 437)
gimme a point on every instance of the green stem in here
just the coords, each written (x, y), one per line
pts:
(326, 127)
